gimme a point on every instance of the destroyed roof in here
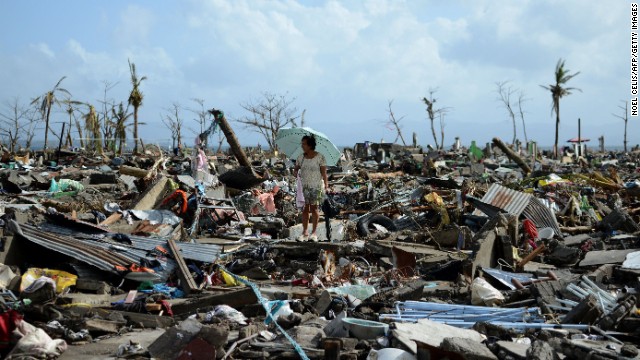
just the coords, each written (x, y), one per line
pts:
(190, 251)
(519, 203)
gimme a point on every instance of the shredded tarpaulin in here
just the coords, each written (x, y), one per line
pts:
(157, 216)
(278, 308)
(226, 312)
(65, 185)
(265, 305)
(632, 261)
(230, 280)
(169, 291)
(35, 343)
(482, 293)
(361, 292)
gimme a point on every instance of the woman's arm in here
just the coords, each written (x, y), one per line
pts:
(323, 171)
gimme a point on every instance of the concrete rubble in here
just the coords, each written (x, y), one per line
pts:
(470, 253)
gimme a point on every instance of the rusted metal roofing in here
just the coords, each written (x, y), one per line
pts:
(104, 256)
(518, 203)
(511, 201)
(101, 258)
(191, 251)
(541, 215)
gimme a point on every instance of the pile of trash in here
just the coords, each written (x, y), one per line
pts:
(471, 253)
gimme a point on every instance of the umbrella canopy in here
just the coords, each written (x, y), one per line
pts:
(288, 141)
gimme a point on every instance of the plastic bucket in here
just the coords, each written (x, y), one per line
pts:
(546, 233)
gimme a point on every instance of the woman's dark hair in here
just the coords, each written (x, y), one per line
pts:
(311, 141)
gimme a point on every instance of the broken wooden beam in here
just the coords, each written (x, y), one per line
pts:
(235, 299)
(187, 282)
(531, 256)
(152, 196)
(512, 155)
(113, 218)
(133, 171)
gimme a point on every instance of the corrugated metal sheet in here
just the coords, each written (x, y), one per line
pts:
(511, 201)
(518, 203)
(191, 251)
(102, 255)
(93, 255)
(541, 215)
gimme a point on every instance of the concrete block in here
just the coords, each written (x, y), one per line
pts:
(467, 348)
(541, 350)
(103, 326)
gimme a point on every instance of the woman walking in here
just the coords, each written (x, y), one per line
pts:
(312, 168)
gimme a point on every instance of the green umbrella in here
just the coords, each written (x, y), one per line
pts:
(288, 141)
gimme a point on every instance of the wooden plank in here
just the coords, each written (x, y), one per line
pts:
(111, 219)
(530, 257)
(153, 307)
(187, 282)
(235, 299)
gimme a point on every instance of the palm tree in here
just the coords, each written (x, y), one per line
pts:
(558, 91)
(92, 126)
(135, 100)
(71, 109)
(48, 99)
(121, 115)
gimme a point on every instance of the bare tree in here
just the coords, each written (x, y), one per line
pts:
(174, 123)
(104, 117)
(203, 118)
(625, 118)
(268, 115)
(13, 121)
(432, 112)
(201, 114)
(442, 114)
(521, 100)
(505, 92)
(396, 124)
(34, 123)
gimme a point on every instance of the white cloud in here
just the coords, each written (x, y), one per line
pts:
(44, 49)
(136, 24)
(345, 60)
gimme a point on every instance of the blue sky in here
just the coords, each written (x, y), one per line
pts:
(342, 61)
